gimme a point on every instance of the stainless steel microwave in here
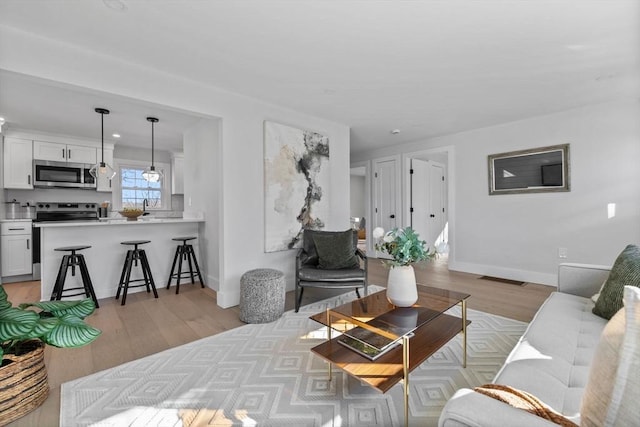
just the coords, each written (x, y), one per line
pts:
(62, 174)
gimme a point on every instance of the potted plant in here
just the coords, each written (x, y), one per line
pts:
(405, 248)
(24, 330)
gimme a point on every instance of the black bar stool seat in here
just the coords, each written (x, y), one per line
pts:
(73, 260)
(184, 252)
(133, 256)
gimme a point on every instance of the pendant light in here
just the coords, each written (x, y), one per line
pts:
(102, 169)
(151, 174)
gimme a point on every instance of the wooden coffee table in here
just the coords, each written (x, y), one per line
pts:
(420, 331)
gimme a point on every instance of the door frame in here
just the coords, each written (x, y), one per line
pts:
(368, 199)
(450, 190)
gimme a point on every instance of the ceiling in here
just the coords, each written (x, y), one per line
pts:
(427, 68)
(28, 103)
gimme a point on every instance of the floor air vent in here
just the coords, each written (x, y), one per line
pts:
(498, 279)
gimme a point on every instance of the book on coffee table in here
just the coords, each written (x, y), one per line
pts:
(399, 321)
(369, 351)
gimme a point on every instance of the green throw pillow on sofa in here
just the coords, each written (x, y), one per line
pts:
(625, 272)
(336, 251)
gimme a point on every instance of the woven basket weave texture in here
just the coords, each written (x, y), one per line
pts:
(23, 384)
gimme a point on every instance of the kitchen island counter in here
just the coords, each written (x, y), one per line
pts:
(106, 256)
(115, 221)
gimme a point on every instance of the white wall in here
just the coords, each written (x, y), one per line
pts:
(243, 191)
(241, 152)
(141, 154)
(357, 190)
(518, 236)
(201, 192)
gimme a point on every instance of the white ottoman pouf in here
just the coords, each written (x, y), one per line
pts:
(262, 294)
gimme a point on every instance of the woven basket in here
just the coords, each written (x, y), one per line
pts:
(23, 382)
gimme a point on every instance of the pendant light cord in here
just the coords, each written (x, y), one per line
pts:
(152, 139)
(102, 133)
(153, 121)
(102, 112)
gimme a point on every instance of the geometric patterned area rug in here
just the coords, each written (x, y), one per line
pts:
(266, 375)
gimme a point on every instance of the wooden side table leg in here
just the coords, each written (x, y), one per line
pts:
(405, 372)
(464, 333)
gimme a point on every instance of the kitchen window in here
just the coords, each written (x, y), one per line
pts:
(133, 189)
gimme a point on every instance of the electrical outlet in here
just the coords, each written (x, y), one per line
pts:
(562, 252)
(189, 201)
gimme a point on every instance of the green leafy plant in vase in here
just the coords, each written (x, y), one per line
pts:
(24, 330)
(405, 248)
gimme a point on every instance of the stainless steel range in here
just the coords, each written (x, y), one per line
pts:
(64, 211)
(56, 212)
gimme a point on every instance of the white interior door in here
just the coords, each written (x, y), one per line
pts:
(386, 203)
(420, 208)
(428, 216)
(437, 216)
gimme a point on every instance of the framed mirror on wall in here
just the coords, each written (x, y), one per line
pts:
(537, 170)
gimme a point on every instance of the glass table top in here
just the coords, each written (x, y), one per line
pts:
(374, 320)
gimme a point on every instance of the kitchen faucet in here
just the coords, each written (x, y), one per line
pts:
(145, 203)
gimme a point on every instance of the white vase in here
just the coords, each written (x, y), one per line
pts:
(401, 286)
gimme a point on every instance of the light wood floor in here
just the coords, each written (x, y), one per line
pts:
(146, 325)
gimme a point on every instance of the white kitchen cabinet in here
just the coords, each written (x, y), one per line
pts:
(15, 248)
(104, 184)
(18, 163)
(54, 151)
(177, 173)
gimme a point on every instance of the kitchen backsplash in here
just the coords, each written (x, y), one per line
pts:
(77, 195)
(56, 195)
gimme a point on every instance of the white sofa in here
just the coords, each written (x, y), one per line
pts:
(551, 360)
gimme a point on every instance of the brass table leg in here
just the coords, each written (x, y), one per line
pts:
(464, 333)
(329, 338)
(405, 372)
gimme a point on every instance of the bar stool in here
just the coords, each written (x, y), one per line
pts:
(184, 252)
(73, 260)
(133, 256)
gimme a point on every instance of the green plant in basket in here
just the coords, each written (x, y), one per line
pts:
(57, 323)
(403, 244)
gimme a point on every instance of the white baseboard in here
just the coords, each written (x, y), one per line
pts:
(228, 299)
(212, 283)
(505, 273)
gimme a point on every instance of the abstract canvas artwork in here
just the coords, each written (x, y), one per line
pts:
(296, 168)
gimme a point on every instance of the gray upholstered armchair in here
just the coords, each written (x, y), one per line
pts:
(330, 260)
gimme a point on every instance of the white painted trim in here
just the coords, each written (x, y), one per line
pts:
(367, 200)
(226, 299)
(504, 272)
(213, 283)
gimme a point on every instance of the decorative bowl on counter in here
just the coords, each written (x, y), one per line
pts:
(131, 214)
